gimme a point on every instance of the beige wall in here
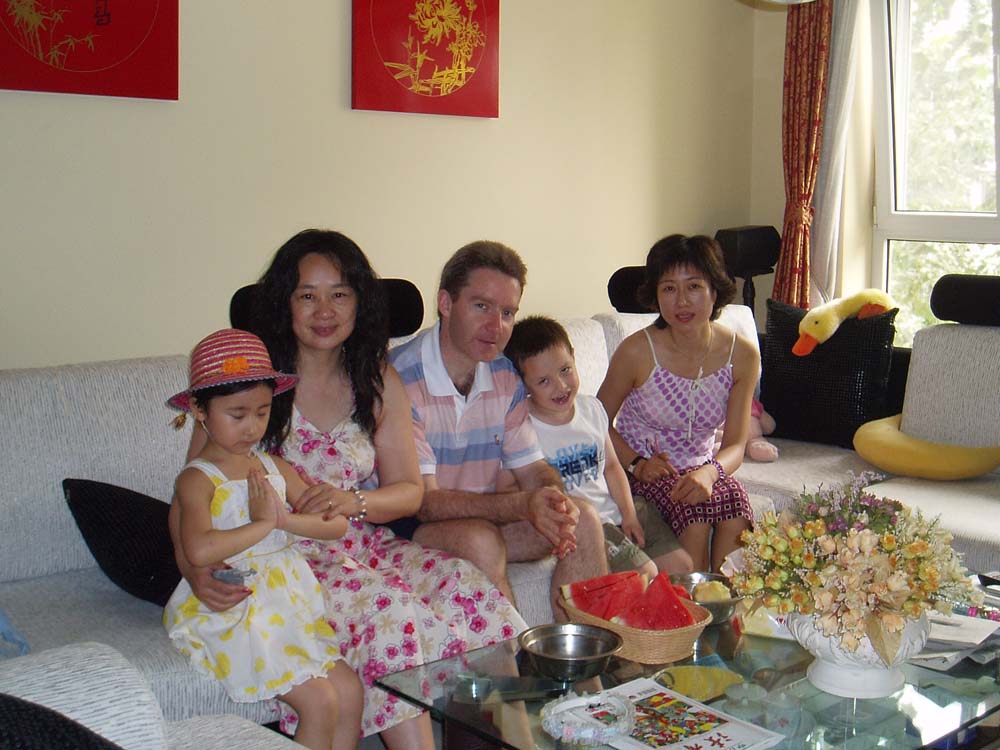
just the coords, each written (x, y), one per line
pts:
(128, 223)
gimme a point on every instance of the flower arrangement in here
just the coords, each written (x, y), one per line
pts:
(861, 565)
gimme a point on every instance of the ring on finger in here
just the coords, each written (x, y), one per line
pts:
(329, 504)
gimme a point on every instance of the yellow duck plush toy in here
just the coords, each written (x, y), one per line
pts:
(820, 323)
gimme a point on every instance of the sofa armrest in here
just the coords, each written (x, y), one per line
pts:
(95, 686)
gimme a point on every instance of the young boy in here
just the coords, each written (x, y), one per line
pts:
(573, 431)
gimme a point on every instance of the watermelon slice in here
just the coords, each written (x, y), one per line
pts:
(682, 592)
(621, 595)
(592, 595)
(659, 608)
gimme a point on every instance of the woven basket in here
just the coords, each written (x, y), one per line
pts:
(650, 646)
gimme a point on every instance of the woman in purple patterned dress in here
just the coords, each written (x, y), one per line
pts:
(671, 385)
(393, 603)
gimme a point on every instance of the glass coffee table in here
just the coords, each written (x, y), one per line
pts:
(491, 697)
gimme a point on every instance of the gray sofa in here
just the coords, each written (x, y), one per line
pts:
(107, 421)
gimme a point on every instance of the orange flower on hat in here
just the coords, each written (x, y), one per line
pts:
(235, 365)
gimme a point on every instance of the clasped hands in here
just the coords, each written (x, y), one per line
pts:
(554, 516)
(263, 501)
(690, 489)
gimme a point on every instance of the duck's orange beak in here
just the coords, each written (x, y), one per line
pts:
(804, 345)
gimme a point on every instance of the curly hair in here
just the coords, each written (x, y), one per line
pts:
(697, 251)
(363, 352)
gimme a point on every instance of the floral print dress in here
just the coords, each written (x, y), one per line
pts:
(393, 604)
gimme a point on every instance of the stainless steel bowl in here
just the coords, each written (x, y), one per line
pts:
(569, 651)
(722, 612)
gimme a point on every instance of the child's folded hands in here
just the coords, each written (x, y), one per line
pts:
(264, 502)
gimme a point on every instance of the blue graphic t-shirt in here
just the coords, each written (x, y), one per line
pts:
(576, 450)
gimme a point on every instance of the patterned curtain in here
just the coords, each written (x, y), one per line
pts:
(807, 55)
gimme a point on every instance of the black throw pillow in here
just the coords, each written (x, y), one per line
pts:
(827, 395)
(29, 726)
(128, 535)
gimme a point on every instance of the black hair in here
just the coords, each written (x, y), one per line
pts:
(203, 396)
(533, 335)
(698, 251)
(365, 349)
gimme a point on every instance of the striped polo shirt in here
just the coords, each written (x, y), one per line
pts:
(465, 441)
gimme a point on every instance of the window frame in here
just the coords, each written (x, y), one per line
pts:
(889, 223)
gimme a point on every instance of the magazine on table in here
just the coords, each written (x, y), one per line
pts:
(665, 720)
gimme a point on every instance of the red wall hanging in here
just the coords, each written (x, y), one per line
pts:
(431, 56)
(107, 47)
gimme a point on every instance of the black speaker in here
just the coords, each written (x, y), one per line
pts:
(967, 298)
(406, 306)
(749, 251)
(622, 288)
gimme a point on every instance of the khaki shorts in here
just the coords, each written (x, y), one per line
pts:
(622, 552)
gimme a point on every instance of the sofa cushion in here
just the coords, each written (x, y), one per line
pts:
(225, 731)
(589, 351)
(619, 326)
(801, 466)
(127, 534)
(531, 581)
(967, 508)
(102, 420)
(953, 381)
(827, 395)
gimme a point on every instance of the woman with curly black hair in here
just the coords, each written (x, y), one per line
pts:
(290, 333)
(346, 428)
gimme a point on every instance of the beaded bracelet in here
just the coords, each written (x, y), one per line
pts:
(718, 467)
(562, 723)
(362, 513)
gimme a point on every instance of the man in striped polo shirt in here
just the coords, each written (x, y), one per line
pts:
(470, 420)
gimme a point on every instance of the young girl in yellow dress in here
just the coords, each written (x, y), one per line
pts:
(276, 643)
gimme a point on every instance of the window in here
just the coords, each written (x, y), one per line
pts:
(936, 148)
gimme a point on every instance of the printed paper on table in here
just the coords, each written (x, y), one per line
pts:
(665, 720)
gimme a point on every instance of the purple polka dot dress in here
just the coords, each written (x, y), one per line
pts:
(679, 416)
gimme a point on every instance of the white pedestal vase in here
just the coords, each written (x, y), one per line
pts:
(858, 674)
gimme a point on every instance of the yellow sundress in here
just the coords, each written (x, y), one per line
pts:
(276, 638)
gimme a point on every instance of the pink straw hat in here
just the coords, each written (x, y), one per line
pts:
(230, 356)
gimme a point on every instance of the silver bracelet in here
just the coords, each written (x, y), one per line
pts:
(362, 513)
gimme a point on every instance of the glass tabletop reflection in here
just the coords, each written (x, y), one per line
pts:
(493, 696)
